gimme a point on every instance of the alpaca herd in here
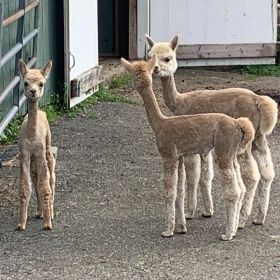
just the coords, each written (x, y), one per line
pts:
(230, 123)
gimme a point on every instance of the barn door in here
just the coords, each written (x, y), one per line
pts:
(81, 49)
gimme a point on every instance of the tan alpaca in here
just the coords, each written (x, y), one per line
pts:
(187, 135)
(235, 102)
(36, 159)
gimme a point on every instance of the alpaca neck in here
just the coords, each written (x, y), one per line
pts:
(170, 93)
(32, 119)
(154, 114)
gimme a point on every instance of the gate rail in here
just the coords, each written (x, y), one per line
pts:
(17, 52)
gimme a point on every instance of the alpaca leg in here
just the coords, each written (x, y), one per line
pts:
(232, 196)
(170, 188)
(51, 166)
(24, 191)
(205, 182)
(242, 192)
(192, 167)
(250, 176)
(44, 192)
(34, 179)
(180, 214)
(262, 154)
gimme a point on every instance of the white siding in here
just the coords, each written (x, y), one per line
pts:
(83, 35)
(214, 21)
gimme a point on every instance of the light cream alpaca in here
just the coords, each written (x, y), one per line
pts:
(235, 102)
(36, 159)
(187, 135)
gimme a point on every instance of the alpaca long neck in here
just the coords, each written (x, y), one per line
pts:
(154, 114)
(170, 93)
(32, 119)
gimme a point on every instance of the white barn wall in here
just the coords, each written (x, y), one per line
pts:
(214, 22)
(251, 24)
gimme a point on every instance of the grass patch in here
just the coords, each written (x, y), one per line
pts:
(11, 132)
(261, 70)
(121, 81)
(53, 111)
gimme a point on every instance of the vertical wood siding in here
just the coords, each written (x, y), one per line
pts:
(49, 42)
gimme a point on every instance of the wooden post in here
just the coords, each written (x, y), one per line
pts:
(132, 52)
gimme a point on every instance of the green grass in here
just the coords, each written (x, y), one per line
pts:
(104, 94)
(261, 70)
(11, 132)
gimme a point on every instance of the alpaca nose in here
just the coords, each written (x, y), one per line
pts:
(33, 92)
(156, 69)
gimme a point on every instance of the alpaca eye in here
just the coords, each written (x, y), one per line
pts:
(41, 84)
(167, 59)
(25, 84)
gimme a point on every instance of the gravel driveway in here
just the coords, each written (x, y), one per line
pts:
(109, 206)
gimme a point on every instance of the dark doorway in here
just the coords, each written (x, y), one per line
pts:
(113, 25)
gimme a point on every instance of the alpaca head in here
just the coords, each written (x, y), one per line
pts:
(34, 80)
(141, 71)
(166, 55)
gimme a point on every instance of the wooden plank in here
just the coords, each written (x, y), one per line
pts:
(206, 51)
(224, 61)
(117, 26)
(86, 81)
(132, 29)
(20, 13)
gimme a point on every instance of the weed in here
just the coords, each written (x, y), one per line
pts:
(261, 70)
(11, 132)
(120, 81)
(52, 112)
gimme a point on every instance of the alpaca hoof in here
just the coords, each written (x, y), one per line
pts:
(258, 222)
(189, 216)
(47, 227)
(226, 237)
(207, 215)
(167, 233)
(38, 216)
(241, 225)
(181, 229)
(21, 227)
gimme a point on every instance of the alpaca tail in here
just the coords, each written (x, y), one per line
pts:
(248, 134)
(269, 114)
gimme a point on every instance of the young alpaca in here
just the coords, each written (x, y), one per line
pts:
(187, 135)
(235, 102)
(36, 159)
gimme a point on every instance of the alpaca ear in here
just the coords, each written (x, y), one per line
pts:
(150, 41)
(174, 42)
(152, 62)
(47, 69)
(23, 69)
(126, 64)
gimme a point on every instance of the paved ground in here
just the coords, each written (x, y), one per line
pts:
(109, 207)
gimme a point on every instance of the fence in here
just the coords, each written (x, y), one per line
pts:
(30, 29)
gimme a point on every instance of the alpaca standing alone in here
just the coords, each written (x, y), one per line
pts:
(187, 135)
(36, 159)
(235, 102)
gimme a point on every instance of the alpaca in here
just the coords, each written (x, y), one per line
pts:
(187, 135)
(37, 162)
(235, 102)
